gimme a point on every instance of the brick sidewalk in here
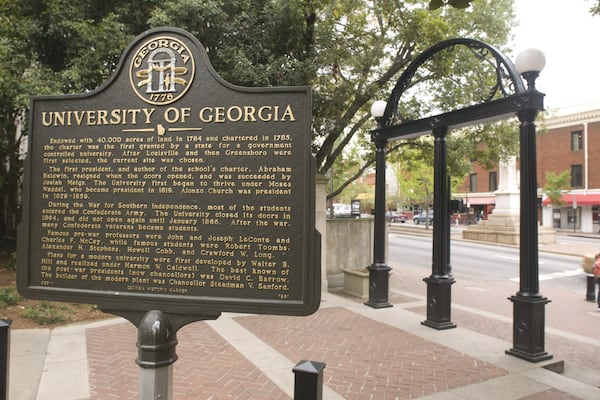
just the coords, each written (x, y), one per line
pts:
(365, 359)
(207, 368)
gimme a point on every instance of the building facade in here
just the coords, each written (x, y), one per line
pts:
(568, 140)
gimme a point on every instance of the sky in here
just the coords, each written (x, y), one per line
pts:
(569, 36)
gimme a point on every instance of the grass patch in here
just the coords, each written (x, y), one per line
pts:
(9, 297)
(46, 313)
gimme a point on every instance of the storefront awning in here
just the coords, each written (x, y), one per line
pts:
(477, 201)
(581, 199)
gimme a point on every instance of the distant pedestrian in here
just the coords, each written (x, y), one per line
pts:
(596, 272)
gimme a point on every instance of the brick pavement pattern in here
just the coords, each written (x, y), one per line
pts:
(367, 359)
(208, 367)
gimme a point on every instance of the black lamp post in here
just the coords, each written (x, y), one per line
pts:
(379, 271)
(528, 303)
(528, 326)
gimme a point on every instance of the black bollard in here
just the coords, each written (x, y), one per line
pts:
(4, 357)
(308, 380)
(590, 294)
(156, 354)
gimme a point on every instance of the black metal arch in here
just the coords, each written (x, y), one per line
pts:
(504, 69)
(528, 303)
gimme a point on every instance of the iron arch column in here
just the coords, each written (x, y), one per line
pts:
(440, 281)
(379, 270)
(528, 303)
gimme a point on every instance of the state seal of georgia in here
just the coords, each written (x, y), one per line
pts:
(162, 70)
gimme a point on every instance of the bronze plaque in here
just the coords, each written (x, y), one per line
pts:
(169, 188)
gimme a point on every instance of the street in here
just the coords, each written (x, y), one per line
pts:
(487, 262)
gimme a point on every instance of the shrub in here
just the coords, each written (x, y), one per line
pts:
(44, 313)
(9, 297)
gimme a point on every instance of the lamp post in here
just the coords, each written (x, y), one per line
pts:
(528, 303)
(379, 271)
(504, 101)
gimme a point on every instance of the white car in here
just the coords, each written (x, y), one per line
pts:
(422, 218)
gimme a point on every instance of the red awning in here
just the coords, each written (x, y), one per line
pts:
(477, 201)
(581, 199)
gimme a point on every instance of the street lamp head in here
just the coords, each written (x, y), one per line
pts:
(530, 60)
(529, 63)
(378, 108)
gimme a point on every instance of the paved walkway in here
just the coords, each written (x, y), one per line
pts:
(370, 353)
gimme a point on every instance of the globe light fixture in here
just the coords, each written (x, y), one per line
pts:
(529, 63)
(378, 108)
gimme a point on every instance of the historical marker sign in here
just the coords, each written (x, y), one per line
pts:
(171, 189)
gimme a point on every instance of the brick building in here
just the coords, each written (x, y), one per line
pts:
(568, 139)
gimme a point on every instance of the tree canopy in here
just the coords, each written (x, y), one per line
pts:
(361, 54)
(350, 51)
(556, 184)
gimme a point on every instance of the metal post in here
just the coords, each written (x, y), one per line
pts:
(379, 271)
(156, 354)
(590, 294)
(449, 228)
(440, 281)
(528, 303)
(4, 357)
(574, 213)
(308, 380)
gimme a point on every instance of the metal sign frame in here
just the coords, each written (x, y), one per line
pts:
(166, 135)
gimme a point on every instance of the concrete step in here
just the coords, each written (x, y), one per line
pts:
(581, 374)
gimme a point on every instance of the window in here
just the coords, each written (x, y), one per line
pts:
(473, 183)
(576, 141)
(493, 181)
(576, 176)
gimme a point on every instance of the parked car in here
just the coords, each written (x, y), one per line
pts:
(394, 216)
(422, 218)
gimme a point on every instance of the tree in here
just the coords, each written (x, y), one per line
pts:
(349, 51)
(556, 184)
(52, 47)
(417, 176)
(250, 43)
(361, 53)
(18, 79)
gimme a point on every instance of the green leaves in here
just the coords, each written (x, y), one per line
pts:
(555, 185)
(350, 52)
(250, 43)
